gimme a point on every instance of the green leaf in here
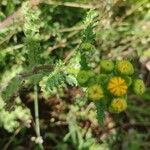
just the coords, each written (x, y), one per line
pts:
(100, 106)
(12, 87)
(33, 47)
(83, 62)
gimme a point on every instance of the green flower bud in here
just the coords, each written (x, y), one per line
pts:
(95, 92)
(91, 81)
(106, 65)
(90, 73)
(84, 76)
(138, 87)
(128, 80)
(102, 78)
(124, 67)
(118, 105)
(86, 46)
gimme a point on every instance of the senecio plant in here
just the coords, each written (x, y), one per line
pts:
(111, 85)
(107, 89)
(108, 83)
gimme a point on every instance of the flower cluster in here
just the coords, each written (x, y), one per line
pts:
(112, 84)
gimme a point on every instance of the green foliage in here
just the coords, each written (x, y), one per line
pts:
(146, 94)
(54, 80)
(33, 47)
(12, 87)
(11, 120)
(31, 26)
(31, 30)
(100, 110)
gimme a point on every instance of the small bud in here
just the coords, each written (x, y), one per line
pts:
(102, 78)
(82, 77)
(106, 65)
(138, 87)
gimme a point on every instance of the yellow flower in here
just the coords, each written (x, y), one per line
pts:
(95, 92)
(125, 67)
(118, 105)
(117, 86)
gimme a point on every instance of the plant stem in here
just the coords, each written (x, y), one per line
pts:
(36, 110)
(11, 139)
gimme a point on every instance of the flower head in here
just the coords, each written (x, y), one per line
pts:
(107, 65)
(95, 92)
(118, 105)
(138, 87)
(124, 67)
(117, 86)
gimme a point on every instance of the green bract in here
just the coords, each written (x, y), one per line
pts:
(106, 65)
(138, 87)
(90, 73)
(102, 78)
(128, 80)
(86, 46)
(124, 67)
(91, 79)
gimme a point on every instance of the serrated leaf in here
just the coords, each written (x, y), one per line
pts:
(36, 78)
(33, 48)
(88, 35)
(100, 109)
(11, 88)
(54, 80)
(71, 80)
(83, 62)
